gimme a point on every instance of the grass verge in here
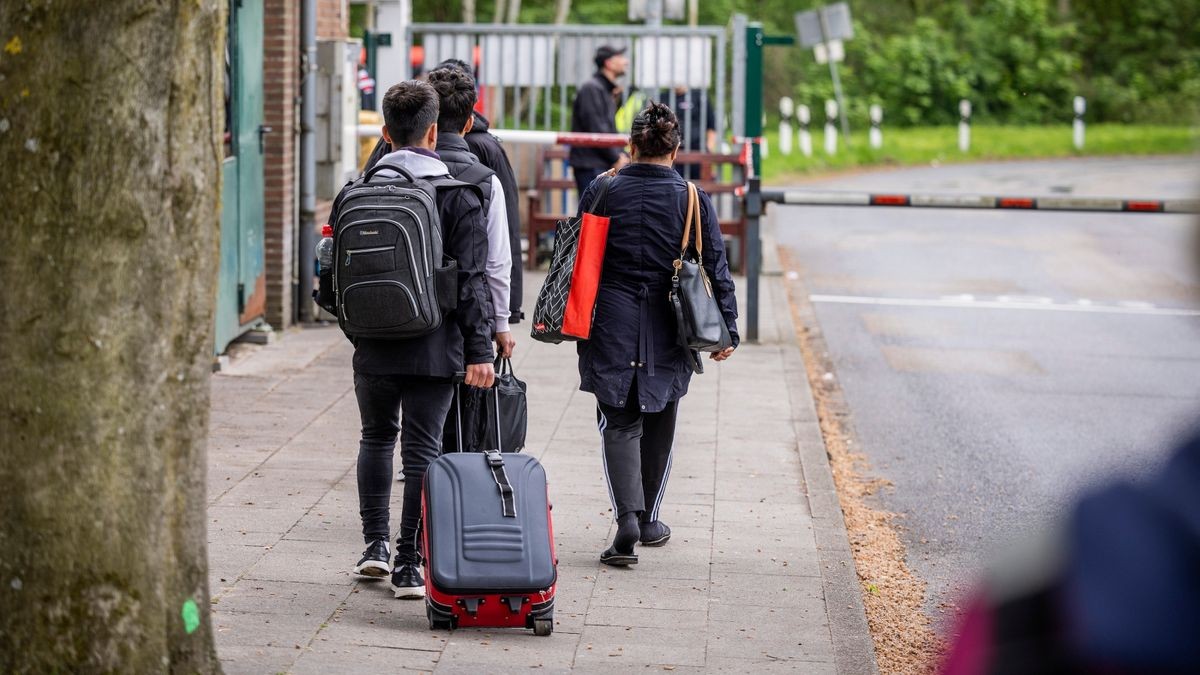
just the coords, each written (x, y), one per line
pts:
(928, 145)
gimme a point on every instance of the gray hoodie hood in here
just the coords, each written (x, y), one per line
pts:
(420, 165)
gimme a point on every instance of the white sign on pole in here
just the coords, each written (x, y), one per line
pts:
(834, 49)
(837, 23)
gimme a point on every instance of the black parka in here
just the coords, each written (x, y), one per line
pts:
(634, 333)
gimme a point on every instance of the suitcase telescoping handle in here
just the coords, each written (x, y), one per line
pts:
(459, 377)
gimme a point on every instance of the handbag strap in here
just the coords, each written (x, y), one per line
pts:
(692, 215)
(600, 202)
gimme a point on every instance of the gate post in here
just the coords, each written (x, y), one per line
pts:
(753, 117)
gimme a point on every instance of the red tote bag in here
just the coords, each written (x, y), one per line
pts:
(585, 279)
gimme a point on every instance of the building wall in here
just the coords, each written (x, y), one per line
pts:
(281, 75)
(281, 112)
(333, 19)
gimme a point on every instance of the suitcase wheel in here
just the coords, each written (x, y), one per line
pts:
(437, 622)
(543, 626)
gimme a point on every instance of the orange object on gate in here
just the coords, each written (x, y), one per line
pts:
(585, 278)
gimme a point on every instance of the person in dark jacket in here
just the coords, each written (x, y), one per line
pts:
(633, 362)
(595, 112)
(416, 376)
(490, 151)
(456, 97)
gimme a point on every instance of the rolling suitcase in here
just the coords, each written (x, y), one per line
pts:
(489, 542)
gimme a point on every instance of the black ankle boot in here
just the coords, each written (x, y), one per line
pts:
(621, 552)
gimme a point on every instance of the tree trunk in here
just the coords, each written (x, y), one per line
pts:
(562, 10)
(501, 9)
(110, 143)
(514, 11)
(468, 11)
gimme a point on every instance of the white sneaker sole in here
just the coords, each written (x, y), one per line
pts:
(373, 568)
(409, 592)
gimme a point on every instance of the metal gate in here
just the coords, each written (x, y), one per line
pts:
(528, 72)
(241, 290)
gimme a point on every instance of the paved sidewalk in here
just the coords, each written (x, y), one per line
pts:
(757, 576)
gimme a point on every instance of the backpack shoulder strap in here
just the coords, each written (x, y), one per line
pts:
(476, 174)
(448, 183)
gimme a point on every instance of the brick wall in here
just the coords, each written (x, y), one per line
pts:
(333, 19)
(281, 63)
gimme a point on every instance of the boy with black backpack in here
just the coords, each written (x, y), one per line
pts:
(408, 287)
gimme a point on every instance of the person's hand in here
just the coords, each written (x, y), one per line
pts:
(721, 355)
(505, 344)
(482, 375)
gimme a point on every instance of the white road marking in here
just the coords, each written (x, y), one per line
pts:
(1142, 308)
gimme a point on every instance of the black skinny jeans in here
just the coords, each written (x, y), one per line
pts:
(637, 450)
(424, 403)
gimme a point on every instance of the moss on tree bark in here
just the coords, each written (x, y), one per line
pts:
(110, 124)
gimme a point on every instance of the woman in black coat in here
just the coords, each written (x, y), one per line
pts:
(633, 362)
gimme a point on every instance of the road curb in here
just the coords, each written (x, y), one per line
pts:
(854, 649)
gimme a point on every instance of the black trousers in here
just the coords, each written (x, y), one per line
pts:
(381, 399)
(636, 450)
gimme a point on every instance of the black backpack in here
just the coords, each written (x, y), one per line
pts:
(391, 279)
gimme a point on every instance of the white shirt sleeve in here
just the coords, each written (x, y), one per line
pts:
(499, 260)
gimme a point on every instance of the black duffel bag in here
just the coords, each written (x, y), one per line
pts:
(489, 419)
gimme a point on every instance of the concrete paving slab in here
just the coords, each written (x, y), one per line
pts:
(284, 528)
(628, 648)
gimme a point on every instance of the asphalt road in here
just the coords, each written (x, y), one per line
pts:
(996, 363)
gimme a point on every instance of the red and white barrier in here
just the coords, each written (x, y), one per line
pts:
(534, 137)
(1103, 204)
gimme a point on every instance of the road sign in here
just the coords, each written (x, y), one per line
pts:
(640, 10)
(833, 50)
(837, 24)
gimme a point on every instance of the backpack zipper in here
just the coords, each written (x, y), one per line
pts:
(377, 249)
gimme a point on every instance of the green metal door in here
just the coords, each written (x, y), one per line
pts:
(241, 299)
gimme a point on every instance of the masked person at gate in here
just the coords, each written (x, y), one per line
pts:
(595, 112)
(415, 376)
(633, 361)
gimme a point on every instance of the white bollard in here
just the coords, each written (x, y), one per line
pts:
(805, 137)
(964, 125)
(831, 139)
(876, 131)
(786, 108)
(1080, 108)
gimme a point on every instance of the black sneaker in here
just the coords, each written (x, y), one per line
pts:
(407, 582)
(374, 562)
(654, 533)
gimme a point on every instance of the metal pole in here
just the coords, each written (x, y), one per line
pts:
(833, 72)
(308, 159)
(754, 208)
(753, 121)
